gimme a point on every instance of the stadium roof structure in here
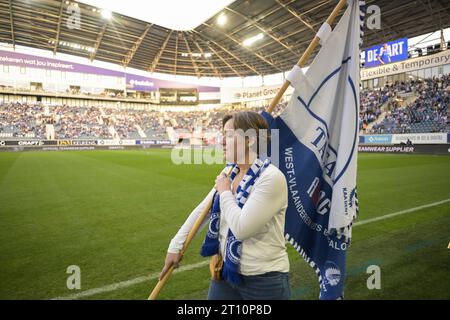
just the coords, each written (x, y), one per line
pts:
(283, 28)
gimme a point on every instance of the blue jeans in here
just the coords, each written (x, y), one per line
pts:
(268, 286)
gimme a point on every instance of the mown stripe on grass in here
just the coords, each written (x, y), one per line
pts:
(131, 282)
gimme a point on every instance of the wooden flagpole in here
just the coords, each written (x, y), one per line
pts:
(275, 101)
(305, 56)
(189, 238)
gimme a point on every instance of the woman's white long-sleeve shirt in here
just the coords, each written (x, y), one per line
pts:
(259, 224)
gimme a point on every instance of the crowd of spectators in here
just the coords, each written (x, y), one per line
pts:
(372, 101)
(428, 113)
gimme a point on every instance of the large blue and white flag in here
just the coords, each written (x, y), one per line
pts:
(318, 140)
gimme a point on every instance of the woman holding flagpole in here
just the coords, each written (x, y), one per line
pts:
(245, 237)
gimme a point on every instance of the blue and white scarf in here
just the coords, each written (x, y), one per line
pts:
(230, 271)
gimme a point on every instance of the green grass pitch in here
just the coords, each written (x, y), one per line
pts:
(113, 213)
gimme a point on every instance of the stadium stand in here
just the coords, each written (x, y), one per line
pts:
(29, 120)
(427, 113)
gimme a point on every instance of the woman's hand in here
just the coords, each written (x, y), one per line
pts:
(171, 259)
(223, 183)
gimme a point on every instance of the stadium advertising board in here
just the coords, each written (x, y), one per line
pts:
(386, 53)
(76, 142)
(153, 142)
(134, 82)
(116, 142)
(420, 138)
(62, 148)
(27, 143)
(239, 94)
(32, 61)
(415, 138)
(39, 143)
(419, 149)
(386, 149)
(377, 139)
(141, 83)
(6, 134)
(409, 65)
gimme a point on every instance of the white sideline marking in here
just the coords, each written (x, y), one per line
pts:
(390, 215)
(128, 283)
(131, 282)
